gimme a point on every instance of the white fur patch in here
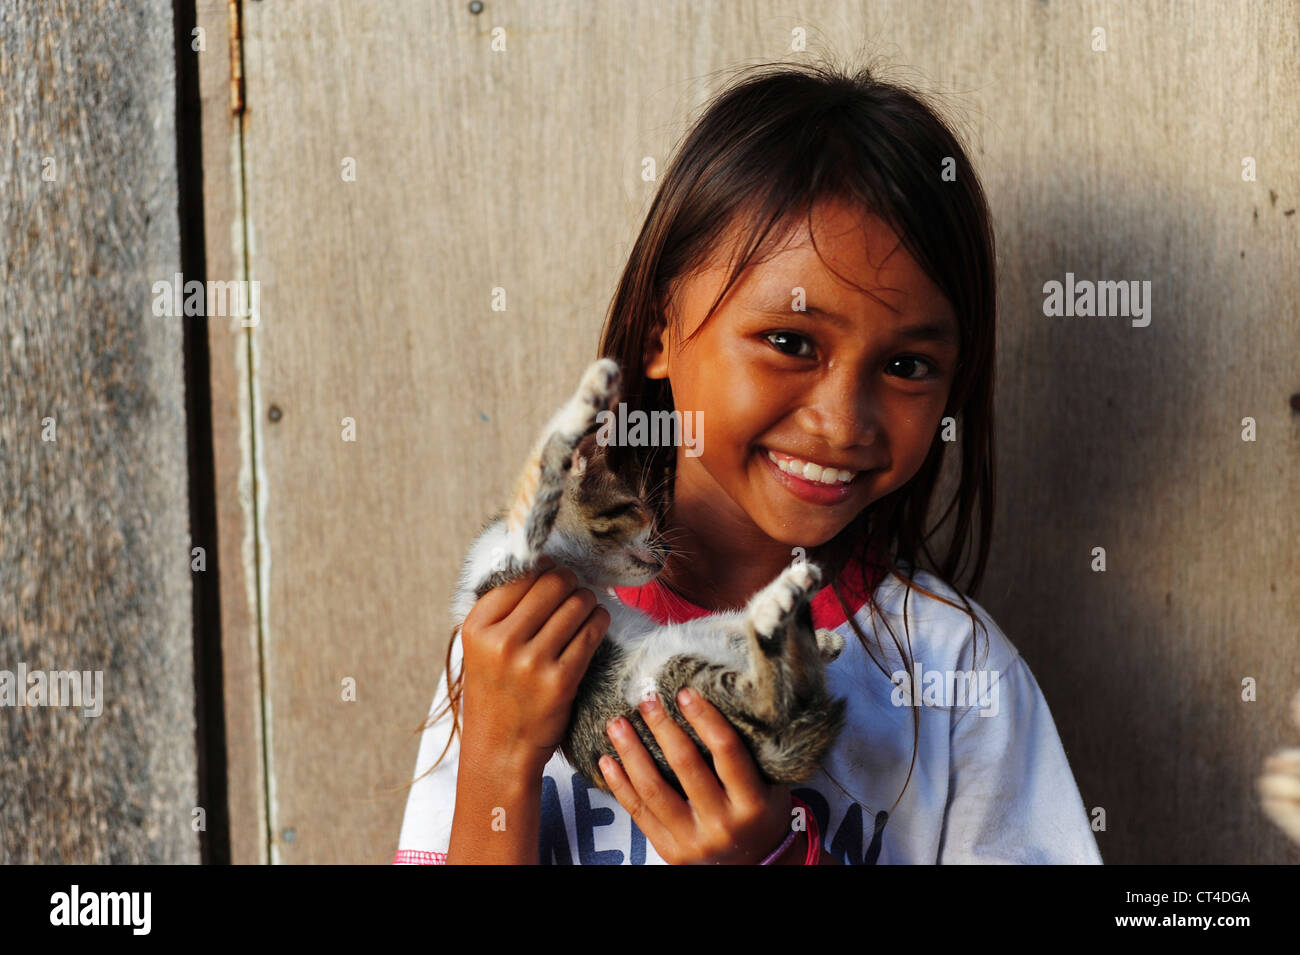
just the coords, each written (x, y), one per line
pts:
(1279, 786)
(648, 689)
(716, 639)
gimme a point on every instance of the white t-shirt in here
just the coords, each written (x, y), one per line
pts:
(991, 783)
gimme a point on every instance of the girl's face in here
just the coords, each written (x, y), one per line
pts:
(847, 384)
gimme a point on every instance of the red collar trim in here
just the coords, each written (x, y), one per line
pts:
(664, 606)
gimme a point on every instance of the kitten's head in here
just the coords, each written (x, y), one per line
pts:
(604, 529)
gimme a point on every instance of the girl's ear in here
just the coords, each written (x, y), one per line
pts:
(656, 354)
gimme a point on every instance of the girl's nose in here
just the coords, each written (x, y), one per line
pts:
(841, 415)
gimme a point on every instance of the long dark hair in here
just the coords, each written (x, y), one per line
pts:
(766, 150)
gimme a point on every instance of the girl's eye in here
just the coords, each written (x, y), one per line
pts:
(787, 337)
(916, 360)
(789, 343)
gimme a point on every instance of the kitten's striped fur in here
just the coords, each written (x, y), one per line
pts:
(763, 667)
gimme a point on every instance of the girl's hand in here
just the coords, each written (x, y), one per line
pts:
(732, 818)
(526, 646)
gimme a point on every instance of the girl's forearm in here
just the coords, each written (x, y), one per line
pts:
(498, 812)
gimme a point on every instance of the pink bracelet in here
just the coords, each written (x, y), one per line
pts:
(777, 852)
(814, 840)
(814, 856)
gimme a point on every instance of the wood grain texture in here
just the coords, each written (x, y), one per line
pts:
(228, 344)
(520, 169)
(1127, 164)
(94, 536)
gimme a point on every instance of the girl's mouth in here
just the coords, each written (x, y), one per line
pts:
(803, 486)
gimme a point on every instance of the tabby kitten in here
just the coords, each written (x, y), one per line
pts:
(763, 667)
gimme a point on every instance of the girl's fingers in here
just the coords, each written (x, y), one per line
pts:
(499, 602)
(548, 591)
(732, 762)
(577, 655)
(557, 634)
(650, 794)
(623, 790)
(693, 772)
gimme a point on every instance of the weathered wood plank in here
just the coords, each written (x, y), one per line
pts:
(94, 537)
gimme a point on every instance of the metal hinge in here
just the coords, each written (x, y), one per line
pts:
(236, 60)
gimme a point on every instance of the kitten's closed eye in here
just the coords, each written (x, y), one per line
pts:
(618, 511)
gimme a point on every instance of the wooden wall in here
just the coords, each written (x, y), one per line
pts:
(519, 169)
(94, 527)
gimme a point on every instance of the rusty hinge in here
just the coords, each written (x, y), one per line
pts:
(236, 60)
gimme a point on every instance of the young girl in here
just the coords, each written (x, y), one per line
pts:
(815, 284)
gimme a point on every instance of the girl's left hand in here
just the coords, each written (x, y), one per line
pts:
(732, 818)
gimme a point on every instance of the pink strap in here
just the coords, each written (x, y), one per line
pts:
(814, 856)
(419, 857)
(779, 850)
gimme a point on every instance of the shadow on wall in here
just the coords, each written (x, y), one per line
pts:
(1131, 441)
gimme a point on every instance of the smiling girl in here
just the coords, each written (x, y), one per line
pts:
(815, 284)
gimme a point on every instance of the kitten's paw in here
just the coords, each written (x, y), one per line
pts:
(1279, 789)
(1279, 786)
(803, 575)
(829, 644)
(773, 606)
(596, 391)
(599, 383)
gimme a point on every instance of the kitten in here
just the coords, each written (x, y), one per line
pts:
(763, 667)
(1279, 786)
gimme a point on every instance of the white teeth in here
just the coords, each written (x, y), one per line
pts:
(812, 472)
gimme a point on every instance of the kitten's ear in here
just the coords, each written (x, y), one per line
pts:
(579, 466)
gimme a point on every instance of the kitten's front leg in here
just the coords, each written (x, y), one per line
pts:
(774, 618)
(536, 500)
(596, 392)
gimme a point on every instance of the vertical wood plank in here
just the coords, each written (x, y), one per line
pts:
(94, 542)
(228, 344)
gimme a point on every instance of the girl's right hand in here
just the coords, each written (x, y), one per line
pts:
(526, 645)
